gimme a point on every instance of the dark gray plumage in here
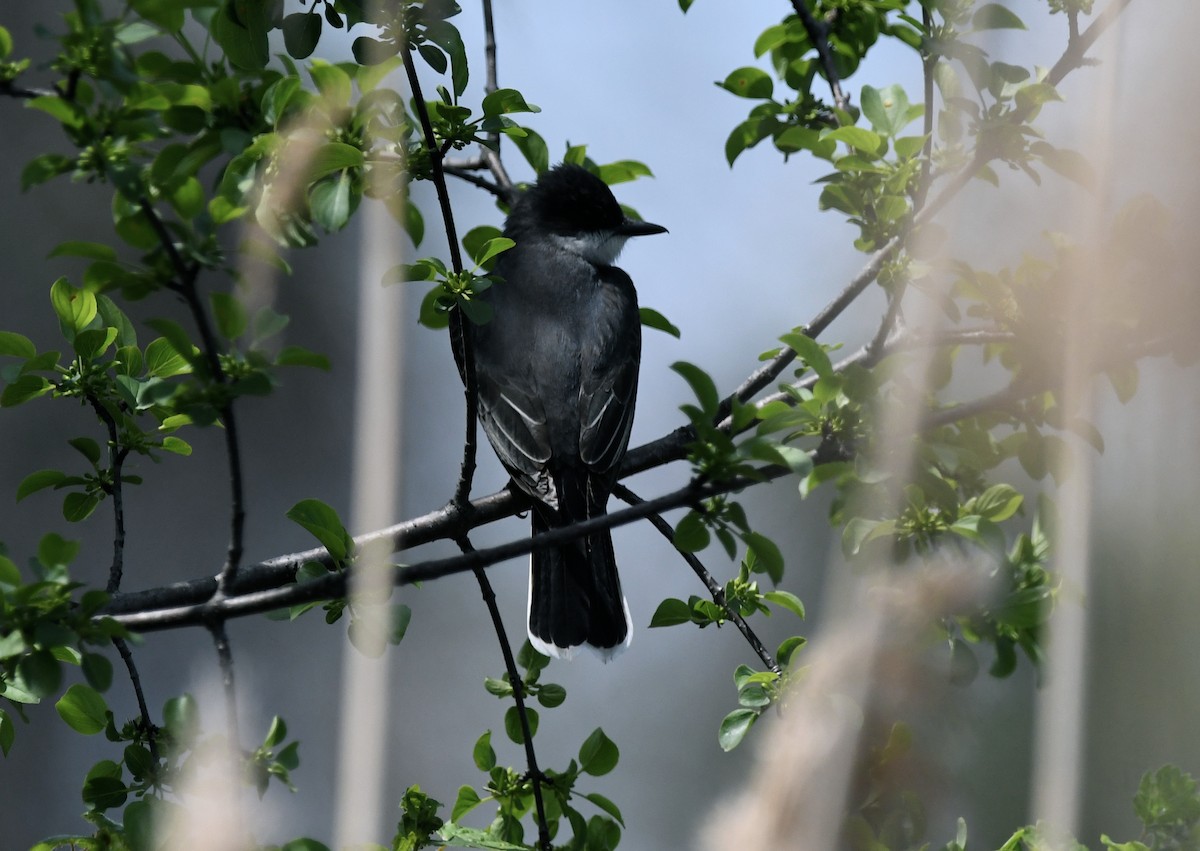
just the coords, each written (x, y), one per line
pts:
(557, 370)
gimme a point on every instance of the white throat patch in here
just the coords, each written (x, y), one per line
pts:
(598, 247)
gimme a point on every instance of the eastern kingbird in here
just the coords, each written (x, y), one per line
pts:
(557, 370)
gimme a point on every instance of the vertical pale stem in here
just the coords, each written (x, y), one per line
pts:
(359, 814)
(1060, 720)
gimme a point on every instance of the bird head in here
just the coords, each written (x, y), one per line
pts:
(576, 211)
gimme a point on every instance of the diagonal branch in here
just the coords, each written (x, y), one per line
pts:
(714, 588)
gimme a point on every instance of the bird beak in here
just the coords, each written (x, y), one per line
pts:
(630, 227)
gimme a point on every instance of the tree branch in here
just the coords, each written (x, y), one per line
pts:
(518, 687)
(459, 342)
(818, 32)
(185, 287)
(143, 710)
(714, 588)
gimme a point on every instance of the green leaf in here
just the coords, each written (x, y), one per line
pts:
(749, 82)
(176, 445)
(467, 800)
(304, 843)
(702, 385)
(533, 147)
(734, 728)
(300, 356)
(8, 732)
(38, 481)
(331, 202)
(505, 102)
(78, 507)
(370, 51)
(94, 342)
(40, 672)
(62, 110)
(55, 550)
(1070, 164)
(243, 48)
(770, 559)
(163, 361)
(230, 315)
(809, 351)
(606, 805)
(167, 14)
(856, 137)
(83, 709)
(98, 671)
(88, 250)
(6, 48)
(651, 318)
(998, 503)
(1031, 97)
(551, 695)
(691, 534)
(671, 612)
(23, 389)
(42, 168)
(887, 109)
(493, 248)
(512, 723)
(9, 574)
(103, 789)
(787, 649)
(188, 198)
(745, 135)
(457, 836)
(75, 308)
(113, 317)
(599, 754)
(787, 600)
(324, 524)
(447, 37)
(623, 171)
(993, 16)
(181, 716)
(334, 156)
(483, 753)
(16, 345)
(301, 32)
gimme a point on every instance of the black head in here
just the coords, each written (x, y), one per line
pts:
(568, 200)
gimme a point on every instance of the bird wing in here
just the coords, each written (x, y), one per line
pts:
(513, 417)
(608, 386)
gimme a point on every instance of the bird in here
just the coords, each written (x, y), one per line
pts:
(556, 373)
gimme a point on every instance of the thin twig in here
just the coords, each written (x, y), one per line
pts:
(465, 174)
(116, 459)
(220, 638)
(818, 32)
(491, 152)
(143, 710)
(714, 588)
(185, 287)
(518, 686)
(459, 341)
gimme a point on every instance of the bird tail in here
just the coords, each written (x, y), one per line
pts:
(575, 595)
